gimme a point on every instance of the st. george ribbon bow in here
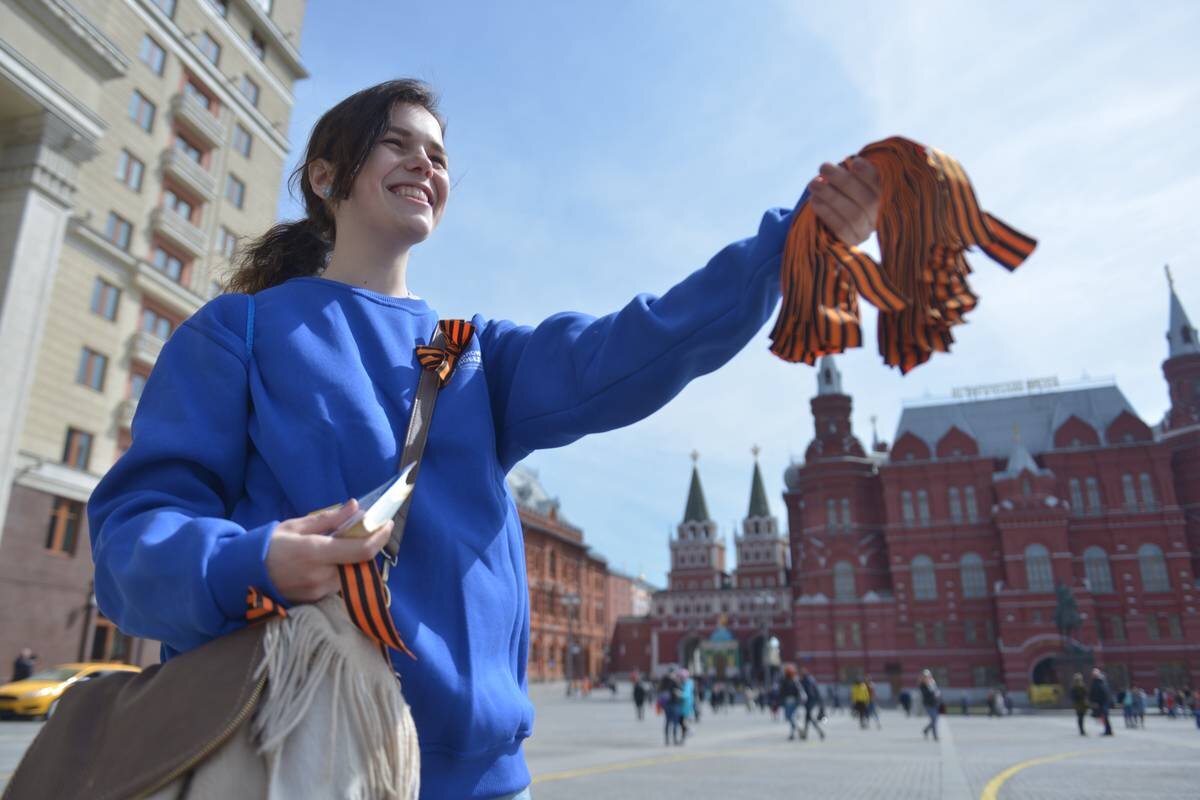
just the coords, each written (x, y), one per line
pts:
(442, 360)
(928, 216)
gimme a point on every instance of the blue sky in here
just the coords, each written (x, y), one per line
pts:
(602, 149)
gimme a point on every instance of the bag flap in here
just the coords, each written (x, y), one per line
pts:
(127, 734)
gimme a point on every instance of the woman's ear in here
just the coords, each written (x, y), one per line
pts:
(320, 177)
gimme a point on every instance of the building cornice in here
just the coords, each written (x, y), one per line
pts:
(264, 22)
(85, 125)
(80, 35)
(50, 477)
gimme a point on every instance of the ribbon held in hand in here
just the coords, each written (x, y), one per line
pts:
(928, 216)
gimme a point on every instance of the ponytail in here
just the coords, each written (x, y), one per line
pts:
(288, 250)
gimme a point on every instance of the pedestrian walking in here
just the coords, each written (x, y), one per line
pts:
(1079, 700)
(814, 708)
(1126, 700)
(1139, 706)
(639, 698)
(873, 703)
(791, 695)
(860, 700)
(906, 702)
(687, 703)
(1101, 699)
(670, 692)
(23, 664)
(931, 699)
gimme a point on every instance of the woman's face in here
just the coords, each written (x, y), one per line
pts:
(401, 190)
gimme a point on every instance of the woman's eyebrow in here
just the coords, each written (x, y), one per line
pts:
(433, 143)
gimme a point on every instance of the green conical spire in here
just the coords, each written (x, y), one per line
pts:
(758, 495)
(697, 510)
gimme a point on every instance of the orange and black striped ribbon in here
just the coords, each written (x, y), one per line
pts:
(441, 360)
(928, 217)
(364, 591)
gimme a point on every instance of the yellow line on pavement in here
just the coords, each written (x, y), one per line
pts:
(993, 787)
(645, 762)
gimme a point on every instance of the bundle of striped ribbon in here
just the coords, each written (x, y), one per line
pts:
(928, 217)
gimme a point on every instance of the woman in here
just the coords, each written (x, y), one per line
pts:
(292, 395)
(792, 694)
(931, 698)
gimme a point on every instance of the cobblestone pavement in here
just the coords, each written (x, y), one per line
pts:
(595, 749)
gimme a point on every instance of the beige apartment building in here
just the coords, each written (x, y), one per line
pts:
(139, 139)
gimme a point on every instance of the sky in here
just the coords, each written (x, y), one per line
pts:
(603, 149)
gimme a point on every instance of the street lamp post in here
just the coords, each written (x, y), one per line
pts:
(572, 602)
(766, 603)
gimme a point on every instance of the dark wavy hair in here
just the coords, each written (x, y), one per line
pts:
(344, 137)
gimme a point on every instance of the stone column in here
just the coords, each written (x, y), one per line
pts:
(39, 159)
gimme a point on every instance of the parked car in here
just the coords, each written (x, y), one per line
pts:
(37, 696)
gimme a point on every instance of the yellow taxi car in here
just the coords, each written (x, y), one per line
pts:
(38, 695)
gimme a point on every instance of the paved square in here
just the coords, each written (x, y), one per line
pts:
(595, 748)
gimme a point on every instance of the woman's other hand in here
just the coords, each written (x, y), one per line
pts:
(847, 200)
(302, 558)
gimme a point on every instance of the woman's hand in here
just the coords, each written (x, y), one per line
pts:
(847, 200)
(302, 558)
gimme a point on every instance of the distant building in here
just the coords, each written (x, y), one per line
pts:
(954, 549)
(139, 140)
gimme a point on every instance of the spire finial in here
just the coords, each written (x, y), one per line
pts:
(755, 450)
(695, 457)
(1170, 280)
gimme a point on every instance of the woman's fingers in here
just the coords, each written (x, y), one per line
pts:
(324, 521)
(847, 200)
(338, 550)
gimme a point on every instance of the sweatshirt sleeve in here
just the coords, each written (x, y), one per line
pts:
(576, 374)
(170, 565)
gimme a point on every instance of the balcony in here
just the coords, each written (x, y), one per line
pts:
(179, 299)
(199, 119)
(145, 347)
(125, 413)
(190, 174)
(172, 226)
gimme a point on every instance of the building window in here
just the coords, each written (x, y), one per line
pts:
(118, 230)
(152, 55)
(1148, 501)
(969, 635)
(108, 643)
(839, 635)
(92, 366)
(1154, 569)
(258, 46)
(906, 508)
(64, 526)
(166, 263)
(923, 506)
(137, 385)
(141, 111)
(831, 518)
(974, 581)
(984, 677)
(209, 47)
(167, 6)
(156, 324)
(956, 514)
(130, 170)
(1076, 492)
(972, 509)
(241, 140)
(939, 633)
(178, 203)
(989, 630)
(1175, 626)
(1131, 503)
(845, 512)
(227, 242)
(1096, 569)
(104, 299)
(182, 145)
(78, 449)
(1116, 626)
(919, 633)
(924, 582)
(250, 90)
(193, 91)
(1038, 574)
(855, 634)
(1152, 628)
(843, 581)
(1093, 495)
(235, 191)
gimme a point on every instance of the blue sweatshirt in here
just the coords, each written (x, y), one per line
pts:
(262, 409)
